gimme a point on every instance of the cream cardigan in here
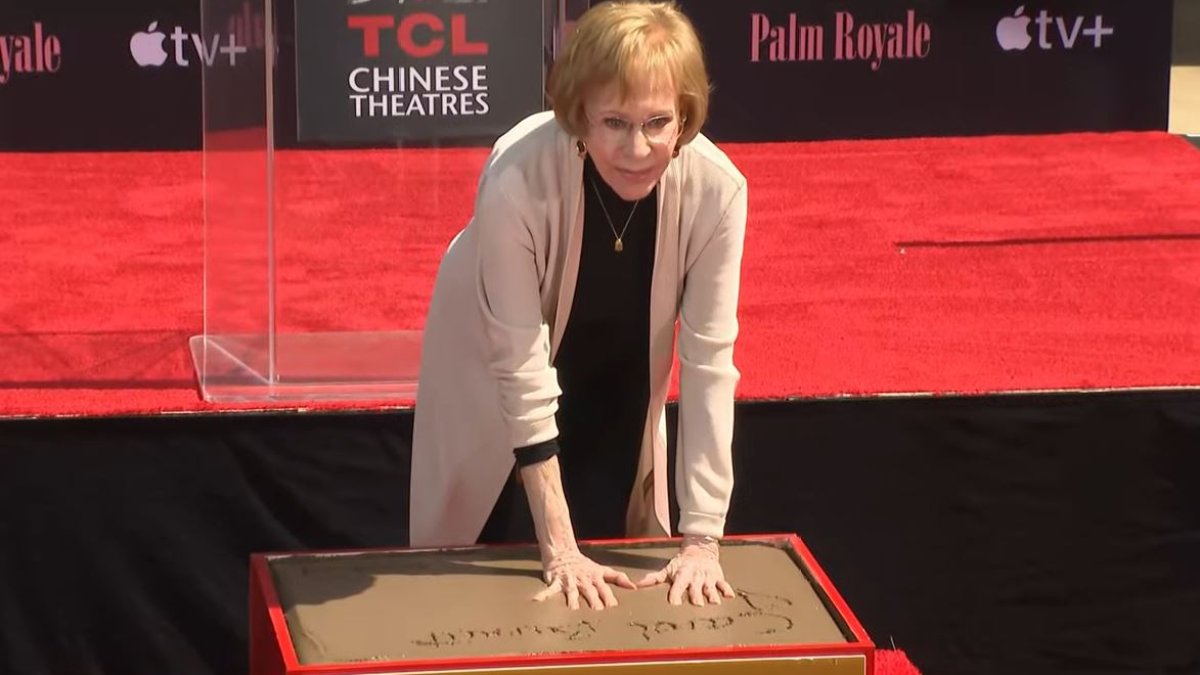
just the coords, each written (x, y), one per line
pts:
(501, 303)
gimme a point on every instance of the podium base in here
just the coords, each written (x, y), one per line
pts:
(307, 366)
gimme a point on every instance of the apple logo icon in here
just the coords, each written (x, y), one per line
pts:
(1012, 32)
(146, 47)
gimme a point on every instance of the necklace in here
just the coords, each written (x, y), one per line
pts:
(618, 246)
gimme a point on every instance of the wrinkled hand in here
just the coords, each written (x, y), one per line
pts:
(575, 574)
(696, 571)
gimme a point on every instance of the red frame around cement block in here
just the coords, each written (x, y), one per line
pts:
(272, 651)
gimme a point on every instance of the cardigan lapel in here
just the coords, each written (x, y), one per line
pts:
(573, 219)
(664, 294)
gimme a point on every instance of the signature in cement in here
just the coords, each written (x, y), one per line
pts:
(759, 608)
(578, 630)
(759, 612)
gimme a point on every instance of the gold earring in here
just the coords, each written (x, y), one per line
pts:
(581, 147)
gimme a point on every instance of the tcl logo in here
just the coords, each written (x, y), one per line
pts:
(419, 35)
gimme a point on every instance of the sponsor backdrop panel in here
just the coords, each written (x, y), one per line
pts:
(89, 92)
(80, 75)
(376, 72)
(77, 76)
(818, 69)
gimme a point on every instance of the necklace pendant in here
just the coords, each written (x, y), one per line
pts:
(618, 246)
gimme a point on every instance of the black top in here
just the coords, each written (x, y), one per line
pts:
(603, 361)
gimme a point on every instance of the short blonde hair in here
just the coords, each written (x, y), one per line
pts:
(631, 42)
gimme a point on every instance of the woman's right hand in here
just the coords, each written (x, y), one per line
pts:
(567, 570)
(574, 574)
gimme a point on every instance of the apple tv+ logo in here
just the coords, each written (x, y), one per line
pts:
(1012, 32)
(146, 47)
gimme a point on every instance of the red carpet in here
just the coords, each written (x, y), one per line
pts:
(893, 662)
(944, 265)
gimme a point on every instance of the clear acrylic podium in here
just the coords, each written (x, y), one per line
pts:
(293, 306)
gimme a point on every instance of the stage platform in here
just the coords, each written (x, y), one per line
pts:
(996, 534)
(969, 371)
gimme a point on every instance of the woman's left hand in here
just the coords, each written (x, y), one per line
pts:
(696, 571)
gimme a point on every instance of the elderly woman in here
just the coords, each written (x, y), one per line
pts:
(605, 235)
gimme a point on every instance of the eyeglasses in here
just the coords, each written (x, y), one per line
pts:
(659, 130)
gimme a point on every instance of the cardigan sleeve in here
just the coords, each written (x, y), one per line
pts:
(518, 337)
(708, 327)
